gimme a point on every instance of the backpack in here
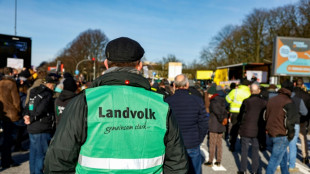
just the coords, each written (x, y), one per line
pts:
(40, 105)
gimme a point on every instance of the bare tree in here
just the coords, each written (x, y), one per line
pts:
(88, 44)
(304, 16)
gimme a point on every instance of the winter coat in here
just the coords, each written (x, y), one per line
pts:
(9, 100)
(36, 83)
(42, 116)
(71, 134)
(61, 103)
(191, 115)
(306, 98)
(281, 114)
(251, 115)
(301, 107)
(218, 113)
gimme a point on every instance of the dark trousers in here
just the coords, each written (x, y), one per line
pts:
(6, 154)
(234, 129)
(245, 143)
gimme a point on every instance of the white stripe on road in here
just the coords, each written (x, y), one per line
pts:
(206, 156)
(302, 168)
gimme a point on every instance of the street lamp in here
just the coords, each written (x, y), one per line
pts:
(77, 66)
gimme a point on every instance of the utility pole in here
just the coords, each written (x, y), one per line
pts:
(94, 59)
(15, 15)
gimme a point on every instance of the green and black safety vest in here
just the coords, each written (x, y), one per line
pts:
(125, 131)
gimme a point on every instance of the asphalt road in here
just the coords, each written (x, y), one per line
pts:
(230, 161)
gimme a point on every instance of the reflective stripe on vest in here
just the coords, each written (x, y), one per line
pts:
(120, 164)
(126, 127)
(235, 98)
(234, 110)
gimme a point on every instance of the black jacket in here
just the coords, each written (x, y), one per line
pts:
(61, 103)
(191, 115)
(250, 117)
(217, 114)
(306, 98)
(42, 116)
(62, 155)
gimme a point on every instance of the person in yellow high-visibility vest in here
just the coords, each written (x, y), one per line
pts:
(235, 99)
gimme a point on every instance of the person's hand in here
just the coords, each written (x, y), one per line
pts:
(27, 119)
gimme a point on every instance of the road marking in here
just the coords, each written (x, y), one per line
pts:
(302, 168)
(205, 154)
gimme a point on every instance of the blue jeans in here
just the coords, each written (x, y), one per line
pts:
(38, 147)
(278, 155)
(195, 160)
(293, 148)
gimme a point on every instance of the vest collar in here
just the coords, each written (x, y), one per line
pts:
(122, 76)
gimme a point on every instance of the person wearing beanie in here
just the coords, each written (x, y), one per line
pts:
(117, 124)
(218, 115)
(66, 95)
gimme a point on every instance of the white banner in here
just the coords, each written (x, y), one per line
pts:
(15, 63)
(261, 76)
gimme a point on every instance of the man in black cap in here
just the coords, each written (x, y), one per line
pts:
(39, 118)
(118, 124)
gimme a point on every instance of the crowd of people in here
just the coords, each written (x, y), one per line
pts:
(125, 122)
(31, 104)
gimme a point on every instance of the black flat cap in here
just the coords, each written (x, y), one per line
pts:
(124, 49)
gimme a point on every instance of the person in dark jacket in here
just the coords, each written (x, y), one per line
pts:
(280, 121)
(302, 112)
(304, 121)
(141, 137)
(251, 113)
(40, 120)
(218, 114)
(164, 88)
(68, 92)
(192, 118)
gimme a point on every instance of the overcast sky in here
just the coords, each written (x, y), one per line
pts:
(162, 27)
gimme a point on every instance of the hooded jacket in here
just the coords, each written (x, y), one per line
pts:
(42, 116)
(71, 134)
(36, 83)
(306, 99)
(61, 103)
(281, 114)
(9, 100)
